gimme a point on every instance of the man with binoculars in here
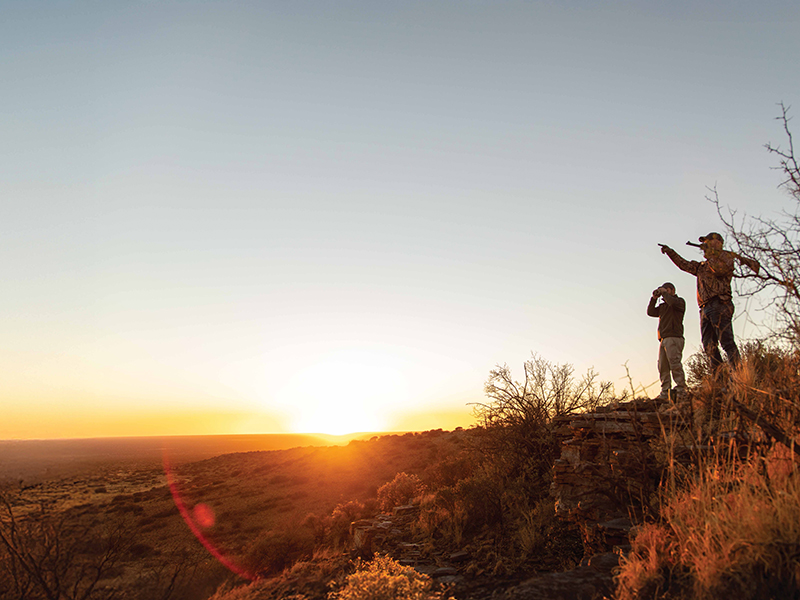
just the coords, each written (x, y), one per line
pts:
(670, 313)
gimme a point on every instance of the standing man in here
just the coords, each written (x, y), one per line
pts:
(670, 335)
(713, 296)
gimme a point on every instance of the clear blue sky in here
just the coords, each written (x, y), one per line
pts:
(257, 216)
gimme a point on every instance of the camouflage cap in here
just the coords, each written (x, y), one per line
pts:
(711, 236)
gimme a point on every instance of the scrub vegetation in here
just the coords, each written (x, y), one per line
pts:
(282, 519)
(729, 518)
(724, 520)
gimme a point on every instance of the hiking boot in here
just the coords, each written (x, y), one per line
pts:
(664, 395)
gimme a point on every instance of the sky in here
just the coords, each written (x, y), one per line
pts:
(246, 217)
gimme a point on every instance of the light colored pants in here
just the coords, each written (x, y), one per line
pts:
(670, 353)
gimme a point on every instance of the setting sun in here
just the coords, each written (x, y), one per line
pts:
(291, 283)
(345, 392)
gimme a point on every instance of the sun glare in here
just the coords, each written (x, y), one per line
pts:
(344, 393)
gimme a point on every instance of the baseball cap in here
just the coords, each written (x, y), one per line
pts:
(711, 236)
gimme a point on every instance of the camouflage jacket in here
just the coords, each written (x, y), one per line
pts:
(713, 275)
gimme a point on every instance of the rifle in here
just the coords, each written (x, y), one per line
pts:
(751, 263)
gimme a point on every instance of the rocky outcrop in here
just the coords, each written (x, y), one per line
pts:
(608, 471)
(592, 580)
(391, 533)
(384, 532)
(605, 479)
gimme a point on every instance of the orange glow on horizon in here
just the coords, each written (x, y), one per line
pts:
(66, 424)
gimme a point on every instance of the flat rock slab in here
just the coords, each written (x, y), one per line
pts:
(406, 509)
(590, 582)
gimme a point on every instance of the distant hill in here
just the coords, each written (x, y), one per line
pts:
(39, 460)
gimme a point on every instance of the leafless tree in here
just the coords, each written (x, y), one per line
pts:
(774, 243)
(58, 555)
(516, 421)
(45, 556)
(549, 390)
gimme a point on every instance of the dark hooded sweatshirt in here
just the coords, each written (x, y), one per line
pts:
(670, 315)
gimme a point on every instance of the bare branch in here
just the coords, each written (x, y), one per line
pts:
(774, 243)
(517, 418)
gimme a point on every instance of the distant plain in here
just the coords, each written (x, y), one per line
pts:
(34, 461)
(243, 497)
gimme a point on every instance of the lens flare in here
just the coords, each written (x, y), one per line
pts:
(204, 515)
(199, 518)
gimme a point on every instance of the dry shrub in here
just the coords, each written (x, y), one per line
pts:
(303, 580)
(535, 529)
(385, 579)
(754, 404)
(340, 520)
(769, 381)
(480, 498)
(735, 531)
(441, 518)
(515, 430)
(451, 469)
(525, 533)
(456, 512)
(730, 522)
(317, 526)
(371, 507)
(399, 491)
(698, 370)
(273, 551)
(348, 511)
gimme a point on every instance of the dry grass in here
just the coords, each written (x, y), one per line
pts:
(304, 580)
(737, 529)
(730, 520)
